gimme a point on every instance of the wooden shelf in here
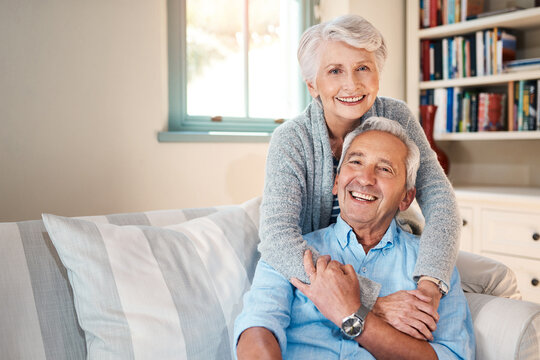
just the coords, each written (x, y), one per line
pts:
(481, 80)
(520, 19)
(488, 135)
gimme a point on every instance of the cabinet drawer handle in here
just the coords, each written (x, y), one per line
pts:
(534, 282)
(465, 223)
(536, 236)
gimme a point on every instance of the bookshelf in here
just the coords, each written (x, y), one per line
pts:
(522, 20)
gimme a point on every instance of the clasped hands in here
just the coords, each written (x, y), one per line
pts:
(335, 291)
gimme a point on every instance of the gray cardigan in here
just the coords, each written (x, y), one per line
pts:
(298, 196)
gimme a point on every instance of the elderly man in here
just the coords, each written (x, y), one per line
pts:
(325, 320)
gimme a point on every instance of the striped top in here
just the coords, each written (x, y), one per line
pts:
(335, 202)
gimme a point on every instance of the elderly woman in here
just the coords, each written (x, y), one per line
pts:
(341, 61)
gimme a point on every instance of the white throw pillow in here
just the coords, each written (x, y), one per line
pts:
(159, 293)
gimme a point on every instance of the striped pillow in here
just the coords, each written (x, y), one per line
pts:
(159, 293)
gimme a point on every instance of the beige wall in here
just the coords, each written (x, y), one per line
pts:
(83, 93)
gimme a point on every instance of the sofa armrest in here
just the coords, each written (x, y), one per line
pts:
(505, 328)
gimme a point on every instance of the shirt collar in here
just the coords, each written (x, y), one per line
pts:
(345, 234)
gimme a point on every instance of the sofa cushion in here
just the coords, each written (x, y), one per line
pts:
(38, 316)
(159, 292)
(482, 275)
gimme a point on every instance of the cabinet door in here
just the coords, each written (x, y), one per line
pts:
(511, 232)
(467, 229)
(527, 274)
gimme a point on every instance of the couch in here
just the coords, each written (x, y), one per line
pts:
(168, 285)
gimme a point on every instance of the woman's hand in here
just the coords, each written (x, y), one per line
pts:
(409, 311)
(334, 288)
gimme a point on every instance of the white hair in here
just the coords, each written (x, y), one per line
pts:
(351, 29)
(412, 162)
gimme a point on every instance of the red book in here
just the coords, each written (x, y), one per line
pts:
(433, 12)
(425, 60)
(482, 113)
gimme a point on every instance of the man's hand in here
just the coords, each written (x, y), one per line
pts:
(410, 312)
(334, 288)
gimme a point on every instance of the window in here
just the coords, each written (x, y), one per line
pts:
(232, 63)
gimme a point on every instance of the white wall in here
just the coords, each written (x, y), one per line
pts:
(83, 93)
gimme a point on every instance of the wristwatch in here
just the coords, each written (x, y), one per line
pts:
(352, 325)
(443, 288)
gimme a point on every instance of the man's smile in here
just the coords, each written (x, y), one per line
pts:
(362, 196)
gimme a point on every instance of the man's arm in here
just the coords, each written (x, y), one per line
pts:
(258, 343)
(335, 292)
(260, 327)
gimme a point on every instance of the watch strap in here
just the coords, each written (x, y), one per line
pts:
(440, 284)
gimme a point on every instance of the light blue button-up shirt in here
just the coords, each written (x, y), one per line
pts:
(304, 333)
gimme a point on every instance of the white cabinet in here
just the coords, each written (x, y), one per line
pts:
(504, 224)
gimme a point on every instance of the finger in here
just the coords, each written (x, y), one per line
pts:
(308, 263)
(410, 331)
(419, 295)
(335, 265)
(322, 262)
(427, 320)
(348, 269)
(422, 329)
(300, 285)
(428, 309)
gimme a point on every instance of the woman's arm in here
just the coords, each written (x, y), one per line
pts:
(284, 204)
(440, 239)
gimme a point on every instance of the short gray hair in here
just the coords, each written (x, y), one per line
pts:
(412, 162)
(351, 29)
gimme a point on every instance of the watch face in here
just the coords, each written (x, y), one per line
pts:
(352, 326)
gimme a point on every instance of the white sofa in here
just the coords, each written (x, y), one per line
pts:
(168, 285)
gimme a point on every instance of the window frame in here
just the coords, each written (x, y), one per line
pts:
(179, 120)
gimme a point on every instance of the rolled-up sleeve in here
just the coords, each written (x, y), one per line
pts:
(267, 304)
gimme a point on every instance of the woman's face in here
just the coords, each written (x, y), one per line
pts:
(347, 82)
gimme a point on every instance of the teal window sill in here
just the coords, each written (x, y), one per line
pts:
(214, 136)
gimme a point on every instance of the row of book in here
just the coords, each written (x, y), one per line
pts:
(442, 12)
(477, 54)
(460, 110)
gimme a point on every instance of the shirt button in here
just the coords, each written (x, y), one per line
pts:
(364, 269)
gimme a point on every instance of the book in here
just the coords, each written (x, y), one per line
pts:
(450, 109)
(519, 96)
(487, 52)
(474, 8)
(526, 104)
(479, 53)
(496, 112)
(432, 13)
(472, 55)
(445, 59)
(431, 61)
(531, 84)
(439, 99)
(424, 60)
(474, 112)
(437, 60)
(465, 125)
(510, 107)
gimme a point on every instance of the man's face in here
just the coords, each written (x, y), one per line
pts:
(371, 185)
(347, 82)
